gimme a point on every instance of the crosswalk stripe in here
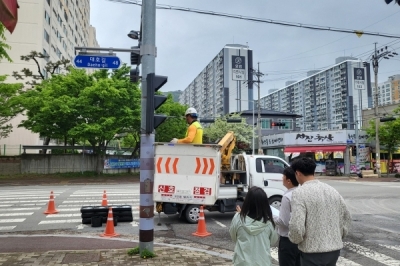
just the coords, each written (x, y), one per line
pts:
(345, 262)
(379, 257)
(63, 215)
(4, 221)
(108, 195)
(99, 201)
(21, 209)
(61, 221)
(7, 227)
(396, 248)
(274, 253)
(25, 201)
(17, 214)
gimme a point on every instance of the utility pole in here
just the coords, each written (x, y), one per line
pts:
(258, 74)
(357, 141)
(378, 54)
(146, 211)
(375, 64)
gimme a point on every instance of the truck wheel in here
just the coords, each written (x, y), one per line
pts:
(275, 202)
(192, 213)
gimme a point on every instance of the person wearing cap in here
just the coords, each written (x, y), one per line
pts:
(194, 133)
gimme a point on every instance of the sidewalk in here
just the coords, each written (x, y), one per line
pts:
(40, 250)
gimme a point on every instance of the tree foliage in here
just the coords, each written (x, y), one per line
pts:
(388, 133)
(175, 125)
(217, 130)
(9, 107)
(3, 45)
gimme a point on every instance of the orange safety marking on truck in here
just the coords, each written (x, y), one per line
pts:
(198, 163)
(205, 165)
(174, 165)
(159, 165)
(167, 165)
(212, 167)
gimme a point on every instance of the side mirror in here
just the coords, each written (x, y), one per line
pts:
(265, 183)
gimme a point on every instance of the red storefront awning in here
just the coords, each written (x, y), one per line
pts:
(315, 148)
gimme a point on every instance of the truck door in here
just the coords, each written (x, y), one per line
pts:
(271, 170)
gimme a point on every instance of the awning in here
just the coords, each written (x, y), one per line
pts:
(9, 14)
(315, 148)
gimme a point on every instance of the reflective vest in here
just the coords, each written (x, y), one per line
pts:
(198, 138)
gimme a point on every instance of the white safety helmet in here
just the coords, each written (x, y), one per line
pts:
(191, 111)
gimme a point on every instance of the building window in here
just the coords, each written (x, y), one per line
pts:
(265, 123)
(48, 2)
(65, 16)
(46, 36)
(47, 17)
(288, 124)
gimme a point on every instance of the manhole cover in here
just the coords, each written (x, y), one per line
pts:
(81, 258)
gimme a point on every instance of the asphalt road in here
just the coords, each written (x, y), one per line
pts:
(374, 238)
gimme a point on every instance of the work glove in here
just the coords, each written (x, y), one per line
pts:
(174, 140)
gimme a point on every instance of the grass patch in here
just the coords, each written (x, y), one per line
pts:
(144, 254)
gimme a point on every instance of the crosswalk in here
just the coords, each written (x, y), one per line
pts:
(23, 210)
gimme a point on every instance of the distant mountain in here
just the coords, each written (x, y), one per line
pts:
(175, 94)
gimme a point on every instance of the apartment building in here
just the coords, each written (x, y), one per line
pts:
(330, 99)
(54, 28)
(224, 85)
(388, 91)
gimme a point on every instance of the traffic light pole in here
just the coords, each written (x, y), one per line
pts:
(375, 64)
(146, 211)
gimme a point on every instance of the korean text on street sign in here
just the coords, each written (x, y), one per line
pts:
(238, 68)
(97, 61)
(359, 78)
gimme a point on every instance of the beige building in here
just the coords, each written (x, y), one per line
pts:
(54, 28)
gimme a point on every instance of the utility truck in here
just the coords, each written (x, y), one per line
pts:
(189, 175)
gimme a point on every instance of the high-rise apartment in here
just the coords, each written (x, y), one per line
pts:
(54, 28)
(388, 91)
(327, 100)
(224, 85)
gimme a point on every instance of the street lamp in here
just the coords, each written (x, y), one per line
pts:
(376, 56)
(133, 34)
(252, 145)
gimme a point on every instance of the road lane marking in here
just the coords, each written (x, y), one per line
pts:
(63, 215)
(17, 214)
(99, 201)
(4, 221)
(396, 247)
(219, 223)
(21, 209)
(374, 255)
(61, 221)
(7, 227)
(345, 262)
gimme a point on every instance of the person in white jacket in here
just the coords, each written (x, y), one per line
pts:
(253, 230)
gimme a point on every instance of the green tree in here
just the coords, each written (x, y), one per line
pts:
(3, 45)
(175, 125)
(217, 130)
(9, 107)
(49, 105)
(389, 135)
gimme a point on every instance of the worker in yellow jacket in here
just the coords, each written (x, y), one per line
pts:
(194, 133)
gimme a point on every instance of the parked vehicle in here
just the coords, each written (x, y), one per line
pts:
(187, 176)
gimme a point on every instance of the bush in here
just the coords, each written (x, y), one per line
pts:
(144, 254)
(397, 175)
(133, 251)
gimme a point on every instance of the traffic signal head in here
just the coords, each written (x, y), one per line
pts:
(134, 74)
(154, 83)
(278, 124)
(387, 119)
(135, 57)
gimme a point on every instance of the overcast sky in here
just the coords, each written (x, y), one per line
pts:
(187, 42)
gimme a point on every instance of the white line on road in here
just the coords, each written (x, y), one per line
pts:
(21, 209)
(345, 262)
(108, 195)
(99, 201)
(379, 257)
(17, 214)
(274, 253)
(63, 215)
(219, 223)
(61, 221)
(24, 201)
(3, 221)
(7, 227)
(396, 248)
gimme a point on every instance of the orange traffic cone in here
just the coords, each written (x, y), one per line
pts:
(104, 201)
(109, 232)
(50, 207)
(201, 225)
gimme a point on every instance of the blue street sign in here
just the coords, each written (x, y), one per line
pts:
(97, 61)
(350, 141)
